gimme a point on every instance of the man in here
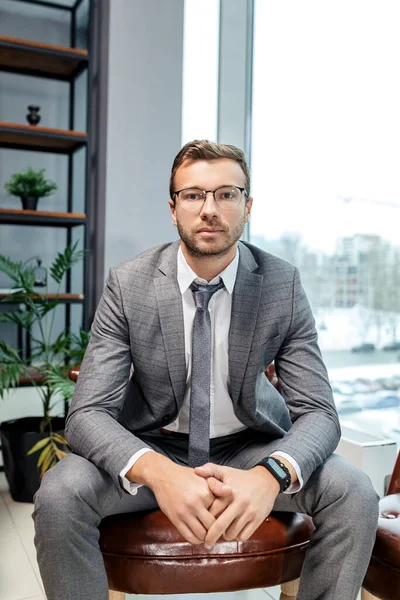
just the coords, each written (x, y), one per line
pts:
(201, 320)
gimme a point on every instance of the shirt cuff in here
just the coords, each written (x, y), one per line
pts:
(129, 486)
(293, 487)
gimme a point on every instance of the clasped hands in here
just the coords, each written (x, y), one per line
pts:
(211, 501)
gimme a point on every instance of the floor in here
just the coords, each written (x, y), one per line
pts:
(19, 573)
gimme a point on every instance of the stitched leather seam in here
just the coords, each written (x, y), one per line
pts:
(291, 549)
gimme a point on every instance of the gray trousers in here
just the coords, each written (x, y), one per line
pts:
(75, 495)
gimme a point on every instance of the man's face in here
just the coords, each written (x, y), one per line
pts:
(211, 231)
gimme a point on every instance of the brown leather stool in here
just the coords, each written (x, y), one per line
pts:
(145, 554)
(382, 580)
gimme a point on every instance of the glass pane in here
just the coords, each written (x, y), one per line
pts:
(326, 185)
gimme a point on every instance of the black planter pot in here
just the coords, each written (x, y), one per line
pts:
(29, 202)
(18, 436)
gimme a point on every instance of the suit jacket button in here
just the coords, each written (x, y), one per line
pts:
(166, 418)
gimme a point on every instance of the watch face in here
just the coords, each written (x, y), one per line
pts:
(278, 470)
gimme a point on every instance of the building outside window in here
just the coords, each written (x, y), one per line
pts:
(326, 182)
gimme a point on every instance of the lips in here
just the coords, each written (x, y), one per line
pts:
(206, 230)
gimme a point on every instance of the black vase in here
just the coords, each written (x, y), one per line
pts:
(29, 202)
(33, 117)
(18, 436)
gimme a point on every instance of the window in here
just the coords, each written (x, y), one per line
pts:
(326, 184)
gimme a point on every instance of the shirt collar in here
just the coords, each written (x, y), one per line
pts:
(186, 275)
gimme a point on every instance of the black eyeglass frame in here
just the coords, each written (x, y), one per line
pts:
(205, 192)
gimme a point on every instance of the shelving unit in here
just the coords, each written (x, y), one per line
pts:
(47, 61)
(53, 62)
(64, 298)
(9, 216)
(41, 139)
(24, 57)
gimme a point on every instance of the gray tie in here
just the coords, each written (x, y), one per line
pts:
(199, 420)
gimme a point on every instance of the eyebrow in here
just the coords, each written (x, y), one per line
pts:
(199, 187)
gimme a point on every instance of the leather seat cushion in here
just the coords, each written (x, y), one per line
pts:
(387, 545)
(382, 580)
(145, 554)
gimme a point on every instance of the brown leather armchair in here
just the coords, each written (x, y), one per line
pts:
(382, 580)
(144, 553)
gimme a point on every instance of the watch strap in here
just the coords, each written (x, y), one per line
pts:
(283, 482)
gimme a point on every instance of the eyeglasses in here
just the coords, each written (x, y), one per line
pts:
(227, 197)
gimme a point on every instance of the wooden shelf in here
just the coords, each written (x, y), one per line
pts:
(10, 216)
(41, 139)
(41, 60)
(64, 298)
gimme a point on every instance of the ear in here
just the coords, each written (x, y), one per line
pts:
(247, 209)
(172, 208)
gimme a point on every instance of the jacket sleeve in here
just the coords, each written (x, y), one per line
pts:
(315, 431)
(92, 428)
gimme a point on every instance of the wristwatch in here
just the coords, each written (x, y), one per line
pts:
(278, 470)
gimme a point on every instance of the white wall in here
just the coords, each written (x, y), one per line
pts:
(200, 70)
(144, 123)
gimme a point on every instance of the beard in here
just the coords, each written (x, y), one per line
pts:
(200, 247)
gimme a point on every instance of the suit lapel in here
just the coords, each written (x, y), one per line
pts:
(245, 304)
(169, 302)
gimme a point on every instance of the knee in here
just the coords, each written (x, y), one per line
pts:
(355, 489)
(62, 492)
(365, 498)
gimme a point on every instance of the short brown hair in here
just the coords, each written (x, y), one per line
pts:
(206, 150)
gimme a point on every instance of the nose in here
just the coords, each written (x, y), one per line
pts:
(210, 207)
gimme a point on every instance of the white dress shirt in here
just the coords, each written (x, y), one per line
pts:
(223, 420)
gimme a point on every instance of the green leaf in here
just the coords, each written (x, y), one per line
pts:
(11, 368)
(10, 376)
(24, 320)
(10, 268)
(8, 354)
(30, 183)
(38, 348)
(59, 383)
(23, 277)
(46, 306)
(60, 345)
(28, 279)
(78, 346)
(39, 445)
(64, 261)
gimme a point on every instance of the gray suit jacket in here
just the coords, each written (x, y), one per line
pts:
(139, 320)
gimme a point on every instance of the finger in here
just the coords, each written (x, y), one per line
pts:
(221, 524)
(247, 531)
(205, 517)
(209, 470)
(218, 488)
(188, 534)
(236, 527)
(218, 506)
(196, 527)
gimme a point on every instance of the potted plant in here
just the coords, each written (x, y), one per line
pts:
(30, 186)
(46, 369)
